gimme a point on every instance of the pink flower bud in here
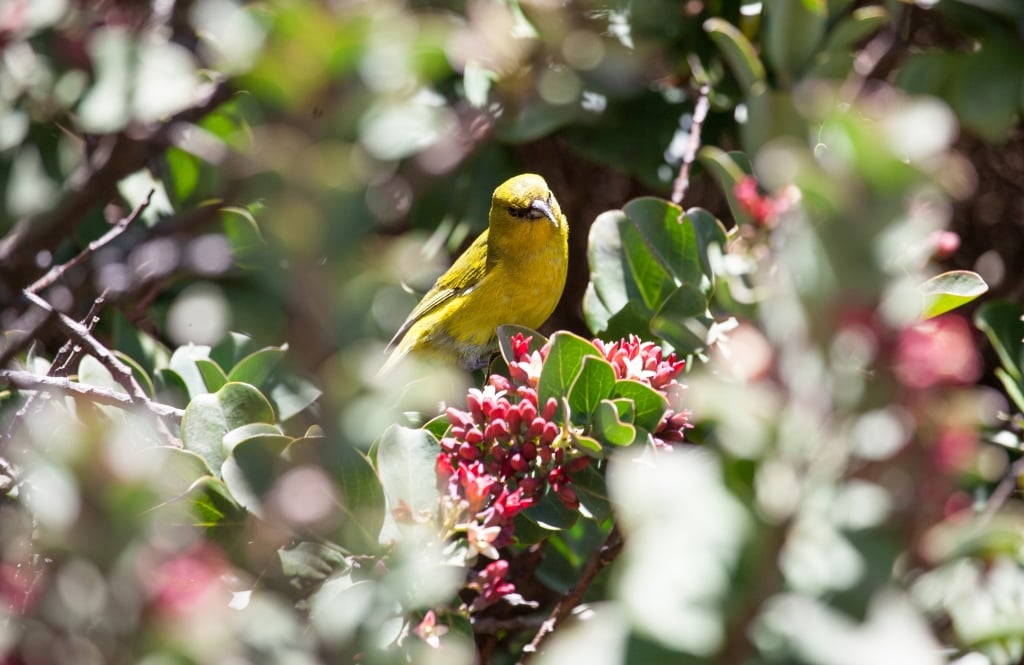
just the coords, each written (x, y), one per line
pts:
(469, 452)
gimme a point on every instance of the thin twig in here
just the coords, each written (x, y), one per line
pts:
(121, 372)
(80, 334)
(56, 272)
(700, 114)
(90, 186)
(870, 59)
(1004, 490)
(28, 381)
(600, 559)
(70, 352)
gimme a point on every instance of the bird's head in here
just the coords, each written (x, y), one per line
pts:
(526, 198)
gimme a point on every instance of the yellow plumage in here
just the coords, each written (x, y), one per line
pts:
(513, 273)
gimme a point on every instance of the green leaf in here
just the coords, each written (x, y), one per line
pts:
(594, 311)
(437, 426)
(650, 276)
(210, 416)
(771, 114)
(563, 365)
(240, 434)
(212, 504)
(854, 29)
(708, 231)
(683, 320)
(179, 469)
(213, 375)
(1001, 322)
(231, 349)
(253, 464)
(312, 561)
(149, 352)
(183, 363)
(256, 367)
(593, 384)
(609, 425)
(950, 290)
(648, 404)
(290, 394)
(406, 463)
(363, 501)
(138, 372)
(93, 373)
(508, 331)
(669, 236)
(592, 493)
(1014, 388)
(608, 268)
(727, 173)
(550, 513)
(738, 52)
(793, 31)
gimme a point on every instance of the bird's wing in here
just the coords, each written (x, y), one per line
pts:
(465, 273)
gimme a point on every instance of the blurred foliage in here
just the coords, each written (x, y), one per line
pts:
(209, 211)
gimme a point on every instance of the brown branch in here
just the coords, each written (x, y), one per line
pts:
(92, 185)
(69, 353)
(600, 559)
(57, 272)
(23, 380)
(80, 334)
(700, 114)
(121, 372)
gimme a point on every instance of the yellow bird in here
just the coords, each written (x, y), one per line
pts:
(513, 273)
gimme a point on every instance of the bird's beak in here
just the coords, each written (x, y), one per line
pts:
(544, 208)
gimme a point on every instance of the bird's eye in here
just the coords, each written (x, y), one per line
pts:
(517, 212)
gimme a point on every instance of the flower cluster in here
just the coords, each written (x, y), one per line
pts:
(764, 209)
(505, 451)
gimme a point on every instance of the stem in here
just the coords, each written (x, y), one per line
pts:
(700, 114)
(600, 560)
(56, 272)
(28, 381)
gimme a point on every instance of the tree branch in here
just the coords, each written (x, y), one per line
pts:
(92, 185)
(28, 381)
(121, 372)
(600, 559)
(700, 114)
(56, 272)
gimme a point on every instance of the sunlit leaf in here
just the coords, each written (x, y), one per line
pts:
(210, 416)
(950, 290)
(564, 362)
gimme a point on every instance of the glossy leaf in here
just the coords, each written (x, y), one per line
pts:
(794, 30)
(609, 424)
(737, 51)
(669, 236)
(405, 462)
(550, 513)
(950, 290)
(648, 404)
(213, 375)
(209, 417)
(256, 367)
(727, 173)
(682, 321)
(563, 365)
(508, 331)
(594, 383)
(183, 363)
